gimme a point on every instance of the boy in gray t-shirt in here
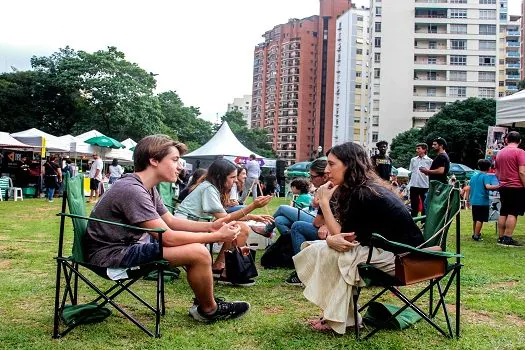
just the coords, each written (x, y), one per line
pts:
(134, 200)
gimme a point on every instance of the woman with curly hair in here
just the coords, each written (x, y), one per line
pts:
(355, 203)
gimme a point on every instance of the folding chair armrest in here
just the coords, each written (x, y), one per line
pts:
(419, 218)
(131, 227)
(378, 238)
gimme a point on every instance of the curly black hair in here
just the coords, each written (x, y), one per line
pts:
(301, 184)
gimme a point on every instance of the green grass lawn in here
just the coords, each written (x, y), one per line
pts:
(493, 300)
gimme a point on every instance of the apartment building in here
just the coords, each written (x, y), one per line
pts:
(427, 53)
(350, 110)
(293, 75)
(522, 41)
(509, 55)
(243, 105)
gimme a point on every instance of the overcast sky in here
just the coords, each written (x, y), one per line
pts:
(202, 49)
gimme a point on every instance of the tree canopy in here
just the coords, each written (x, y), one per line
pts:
(71, 92)
(463, 124)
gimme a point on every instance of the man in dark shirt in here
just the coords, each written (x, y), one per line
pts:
(441, 164)
(382, 162)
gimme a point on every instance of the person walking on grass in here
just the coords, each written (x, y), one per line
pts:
(253, 170)
(95, 176)
(419, 182)
(480, 185)
(382, 163)
(510, 171)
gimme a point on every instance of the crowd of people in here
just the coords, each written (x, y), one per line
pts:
(330, 220)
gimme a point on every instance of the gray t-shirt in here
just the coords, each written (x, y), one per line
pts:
(127, 202)
(202, 201)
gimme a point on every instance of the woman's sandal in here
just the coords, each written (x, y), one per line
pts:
(261, 230)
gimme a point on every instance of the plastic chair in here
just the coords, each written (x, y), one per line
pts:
(69, 268)
(444, 206)
(5, 184)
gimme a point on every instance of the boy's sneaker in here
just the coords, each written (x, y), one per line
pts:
(225, 311)
(294, 280)
(507, 241)
(225, 281)
(477, 237)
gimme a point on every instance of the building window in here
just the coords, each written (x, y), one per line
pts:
(359, 51)
(358, 74)
(377, 89)
(375, 105)
(375, 136)
(378, 11)
(487, 14)
(487, 29)
(458, 44)
(432, 45)
(360, 18)
(458, 13)
(458, 29)
(377, 42)
(377, 57)
(431, 91)
(458, 1)
(377, 73)
(458, 91)
(431, 60)
(487, 60)
(358, 86)
(432, 28)
(487, 2)
(487, 76)
(431, 76)
(378, 27)
(457, 60)
(487, 45)
(485, 92)
(458, 75)
(375, 120)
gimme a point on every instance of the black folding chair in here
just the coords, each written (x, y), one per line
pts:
(69, 268)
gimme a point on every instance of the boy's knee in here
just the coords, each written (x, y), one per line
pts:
(201, 254)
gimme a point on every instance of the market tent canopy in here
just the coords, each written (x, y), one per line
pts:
(510, 110)
(76, 146)
(223, 143)
(7, 141)
(402, 172)
(34, 137)
(125, 154)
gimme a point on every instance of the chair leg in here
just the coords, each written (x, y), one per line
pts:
(56, 316)
(445, 311)
(160, 282)
(458, 300)
(430, 299)
(356, 312)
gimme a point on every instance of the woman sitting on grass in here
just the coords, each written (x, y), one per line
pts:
(355, 203)
(210, 198)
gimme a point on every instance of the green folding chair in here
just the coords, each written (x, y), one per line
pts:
(69, 272)
(444, 206)
(167, 193)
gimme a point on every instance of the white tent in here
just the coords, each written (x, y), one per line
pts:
(76, 146)
(7, 141)
(122, 154)
(510, 110)
(34, 137)
(402, 172)
(225, 144)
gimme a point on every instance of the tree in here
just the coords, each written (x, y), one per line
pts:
(182, 122)
(117, 94)
(403, 147)
(521, 85)
(255, 139)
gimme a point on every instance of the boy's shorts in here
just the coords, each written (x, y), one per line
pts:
(139, 254)
(480, 213)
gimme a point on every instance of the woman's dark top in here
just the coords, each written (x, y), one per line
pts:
(380, 211)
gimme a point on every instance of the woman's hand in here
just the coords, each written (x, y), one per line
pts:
(267, 219)
(228, 232)
(342, 242)
(217, 224)
(322, 233)
(233, 203)
(261, 201)
(325, 192)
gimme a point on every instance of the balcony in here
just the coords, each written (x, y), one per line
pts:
(513, 77)
(513, 65)
(431, 1)
(513, 33)
(513, 54)
(511, 88)
(513, 44)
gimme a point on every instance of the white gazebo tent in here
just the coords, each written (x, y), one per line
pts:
(35, 137)
(510, 110)
(9, 142)
(402, 172)
(225, 144)
(122, 154)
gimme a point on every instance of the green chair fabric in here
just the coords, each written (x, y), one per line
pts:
(70, 267)
(378, 313)
(167, 193)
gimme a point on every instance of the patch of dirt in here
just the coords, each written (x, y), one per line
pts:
(506, 284)
(5, 264)
(272, 310)
(487, 318)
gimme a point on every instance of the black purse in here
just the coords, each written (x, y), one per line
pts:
(239, 267)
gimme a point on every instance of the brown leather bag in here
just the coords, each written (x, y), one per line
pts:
(413, 268)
